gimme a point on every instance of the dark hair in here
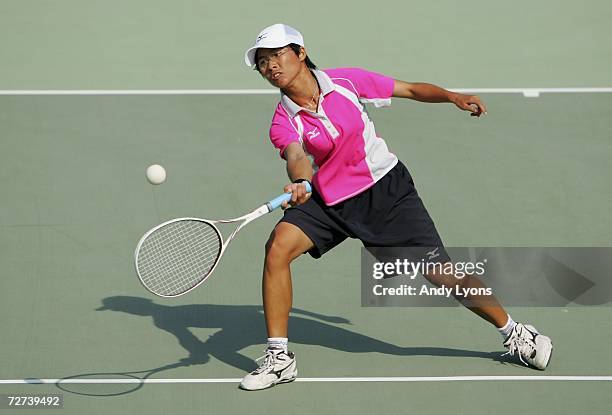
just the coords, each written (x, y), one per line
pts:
(295, 48)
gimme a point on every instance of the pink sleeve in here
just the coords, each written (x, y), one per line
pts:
(282, 132)
(366, 84)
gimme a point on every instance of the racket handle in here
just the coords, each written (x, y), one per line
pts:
(285, 197)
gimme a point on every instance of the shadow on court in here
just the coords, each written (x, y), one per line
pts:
(243, 326)
(239, 327)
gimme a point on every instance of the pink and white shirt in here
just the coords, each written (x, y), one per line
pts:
(347, 155)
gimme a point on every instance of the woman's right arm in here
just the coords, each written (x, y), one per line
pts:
(299, 166)
(298, 163)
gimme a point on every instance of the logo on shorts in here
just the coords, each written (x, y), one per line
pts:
(433, 253)
(312, 134)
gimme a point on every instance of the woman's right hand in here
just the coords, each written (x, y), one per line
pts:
(298, 194)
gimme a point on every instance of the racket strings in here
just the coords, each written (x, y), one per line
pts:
(176, 257)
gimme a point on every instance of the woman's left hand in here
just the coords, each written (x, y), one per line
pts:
(470, 103)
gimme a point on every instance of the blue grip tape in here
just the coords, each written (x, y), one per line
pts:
(285, 197)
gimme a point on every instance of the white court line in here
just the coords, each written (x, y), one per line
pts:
(319, 380)
(530, 92)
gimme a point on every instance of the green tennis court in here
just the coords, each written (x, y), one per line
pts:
(534, 172)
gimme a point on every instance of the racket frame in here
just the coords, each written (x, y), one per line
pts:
(244, 219)
(249, 217)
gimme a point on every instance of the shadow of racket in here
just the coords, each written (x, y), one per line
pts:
(110, 383)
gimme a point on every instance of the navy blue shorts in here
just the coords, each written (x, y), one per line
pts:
(388, 214)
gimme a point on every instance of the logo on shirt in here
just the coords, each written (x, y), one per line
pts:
(312, 134)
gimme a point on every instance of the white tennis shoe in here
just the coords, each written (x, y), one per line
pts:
(277, 366)
(531, 347)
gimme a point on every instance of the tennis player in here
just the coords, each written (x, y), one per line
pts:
(360, 189)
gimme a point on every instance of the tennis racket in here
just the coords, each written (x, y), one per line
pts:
(176, 256)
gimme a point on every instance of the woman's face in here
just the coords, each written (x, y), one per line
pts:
(279, 66)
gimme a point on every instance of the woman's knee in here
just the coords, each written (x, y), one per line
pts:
(447, 277)
(286, 242)
(441, 277)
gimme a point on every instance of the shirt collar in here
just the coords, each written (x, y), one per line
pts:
(325, 83)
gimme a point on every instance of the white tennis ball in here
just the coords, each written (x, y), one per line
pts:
(156, 174)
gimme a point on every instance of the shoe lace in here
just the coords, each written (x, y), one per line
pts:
(268, 360)
(521, 346)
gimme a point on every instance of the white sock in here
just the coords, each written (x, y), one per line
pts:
(507, 329)
(278, 343)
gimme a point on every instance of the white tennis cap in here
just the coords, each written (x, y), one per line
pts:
(275, 36)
